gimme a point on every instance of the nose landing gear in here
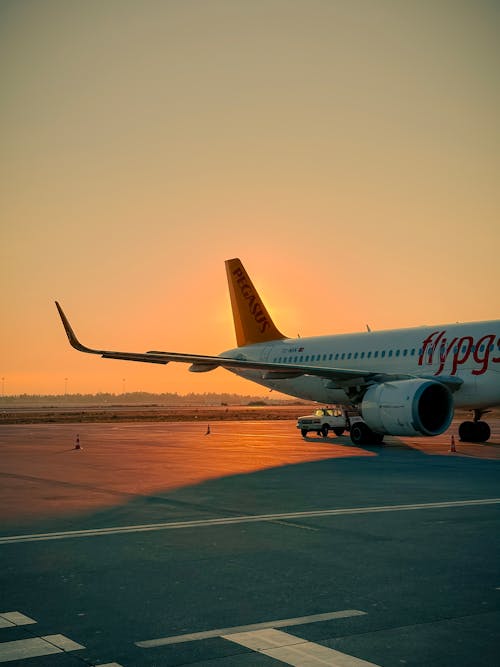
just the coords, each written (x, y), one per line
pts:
(476, 430)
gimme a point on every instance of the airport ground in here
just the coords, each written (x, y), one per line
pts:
(157, 545)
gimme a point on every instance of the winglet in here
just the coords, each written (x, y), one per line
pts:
(252, 322)
(71, 334)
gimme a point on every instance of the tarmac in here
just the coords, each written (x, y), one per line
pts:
(156, 544)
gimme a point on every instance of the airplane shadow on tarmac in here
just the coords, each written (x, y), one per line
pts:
(396, 475)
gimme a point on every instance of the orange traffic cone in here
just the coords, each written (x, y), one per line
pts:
(453, 449)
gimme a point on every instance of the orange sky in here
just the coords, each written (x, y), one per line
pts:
(348, 152)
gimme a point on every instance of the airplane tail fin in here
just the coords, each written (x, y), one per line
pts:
(252, 322)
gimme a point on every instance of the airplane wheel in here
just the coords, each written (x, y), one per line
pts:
(485, 431)
(359, 433)
(377, 438)
(338, 431)
(303, 431)
(474, 431)
(324, 431)
(466, 431)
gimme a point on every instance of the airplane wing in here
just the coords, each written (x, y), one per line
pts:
(270, 371)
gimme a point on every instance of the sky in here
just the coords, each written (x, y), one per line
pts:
(346, 151)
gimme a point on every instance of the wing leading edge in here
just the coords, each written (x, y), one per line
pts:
(270, 371)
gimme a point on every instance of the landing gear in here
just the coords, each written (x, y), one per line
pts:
(303, 432)
(362, 435)
(324, 430)
(338, 431)
(475, 431)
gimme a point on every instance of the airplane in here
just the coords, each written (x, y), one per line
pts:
(403, 382)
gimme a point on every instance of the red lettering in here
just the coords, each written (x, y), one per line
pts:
(444, 353)
(496, 360)
(425, 345)
(486, 342)
(254, 306)
(459, 360)
(460, 351)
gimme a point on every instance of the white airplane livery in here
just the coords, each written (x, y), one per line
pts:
(403, 381)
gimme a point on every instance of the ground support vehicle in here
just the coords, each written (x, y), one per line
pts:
(338, 420)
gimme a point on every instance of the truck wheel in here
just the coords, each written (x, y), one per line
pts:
(324, 430)
(338, 430)
(303, 432)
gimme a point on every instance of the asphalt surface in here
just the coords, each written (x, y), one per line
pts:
(164, 532)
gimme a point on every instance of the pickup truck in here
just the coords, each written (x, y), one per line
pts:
(323, 420)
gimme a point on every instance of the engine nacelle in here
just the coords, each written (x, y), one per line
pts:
(408, 407)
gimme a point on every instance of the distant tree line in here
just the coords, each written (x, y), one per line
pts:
(142, 398)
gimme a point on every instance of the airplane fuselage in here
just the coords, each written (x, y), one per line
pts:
(468, 352)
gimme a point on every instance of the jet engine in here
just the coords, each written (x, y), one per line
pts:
(408, 407)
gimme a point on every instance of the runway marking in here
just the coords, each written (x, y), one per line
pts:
(295, 651)
(37, 646)
(253, 518)
(10, 619)
(225, 632)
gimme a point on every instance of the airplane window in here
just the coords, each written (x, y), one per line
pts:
(307, 358)
(336, 356)
(330, 357)
(405, 352)
(482, 348)
(390, 353)
(324, 357)
(397, 353)
(382, 354)
(362, 356)
(295, 360)
(343, 355)
(413, 352)
(301, 357)
(369, 354)
(355, 355)
(349, 355)
(375, 354)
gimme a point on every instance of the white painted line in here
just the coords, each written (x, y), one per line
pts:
(35, 647)
(63, 642)
(15, 618)
(294, 650)
(256, 518)
(111, 664)
(285, 622)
